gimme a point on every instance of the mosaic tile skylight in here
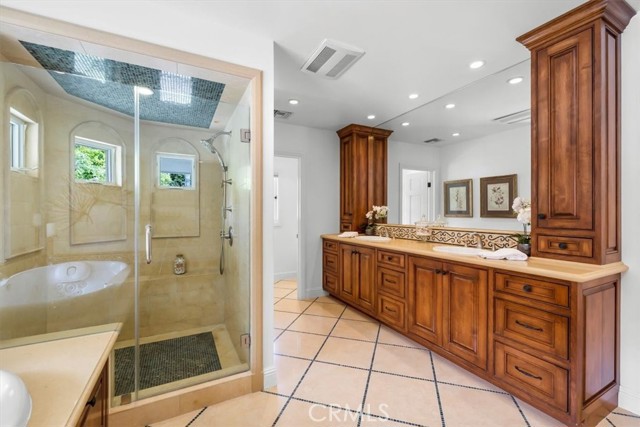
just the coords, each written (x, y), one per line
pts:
(177, 99)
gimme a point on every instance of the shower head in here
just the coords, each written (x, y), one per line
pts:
(209, 144)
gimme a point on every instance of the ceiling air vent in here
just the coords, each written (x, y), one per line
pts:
(432, 140)
(281, 114)
(331, 59)
(519, 117)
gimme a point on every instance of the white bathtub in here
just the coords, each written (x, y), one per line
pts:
(63, 296)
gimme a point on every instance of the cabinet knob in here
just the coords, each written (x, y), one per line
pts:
(92, 402)
(563, 245)
(438, 271)
(445, 272)
(542, 216)
(527, 288)
(389, 258)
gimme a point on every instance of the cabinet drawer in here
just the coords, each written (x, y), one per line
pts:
(330, 262)
(540, 290)
(329, 245)
(391, 311)
(541, 379)
(345, 226)
(573, 246)
(391, 259)
(535, 328)
(391, 282)
(330, 283)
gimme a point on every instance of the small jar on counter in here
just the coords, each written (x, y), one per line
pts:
(179, 265)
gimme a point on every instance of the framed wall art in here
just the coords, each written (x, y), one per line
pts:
(458, 198)
(496, 196)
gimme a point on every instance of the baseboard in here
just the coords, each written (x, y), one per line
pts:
(291, 275)
(629, 400)
(270, 378)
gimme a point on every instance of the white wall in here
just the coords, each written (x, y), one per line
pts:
(285, 233)
(503, 153)
(319, 151)
(630, 317)
(198, 34)
(409, 156)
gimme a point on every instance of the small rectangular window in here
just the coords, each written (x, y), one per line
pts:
(17, 137)
(176, 170)
(95, 161)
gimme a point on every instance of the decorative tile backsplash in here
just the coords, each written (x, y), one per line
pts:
(491, 239)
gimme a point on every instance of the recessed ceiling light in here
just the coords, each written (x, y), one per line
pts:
(515, 80)
(455, 134)
(476, 64)
(413, 96)
(293, 101)
(144, 90)
(450, 106)
(405, 123)
(371, 116)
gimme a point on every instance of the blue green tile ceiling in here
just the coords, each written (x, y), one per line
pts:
(176, 99)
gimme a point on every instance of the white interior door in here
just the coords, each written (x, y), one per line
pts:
(417, 195)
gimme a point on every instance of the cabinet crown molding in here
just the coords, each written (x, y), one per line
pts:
(364, 130)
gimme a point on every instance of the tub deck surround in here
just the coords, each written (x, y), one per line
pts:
(546, 331)
(60, 370)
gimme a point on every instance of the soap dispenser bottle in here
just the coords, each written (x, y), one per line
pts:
(179, 265)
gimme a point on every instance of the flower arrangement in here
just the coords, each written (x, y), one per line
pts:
(523, 208)
(378, 212)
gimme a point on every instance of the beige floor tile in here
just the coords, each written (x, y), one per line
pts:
(537, 418)
(469, 407)
(298, 344)
(286, 284)
(450, 373)
(303, 414)
(331, 384)
(281, 292)
(347, 352)
(403, 399)
(413, 362)
(356, 329)
(294, 295)
(277, 332)
(623, 418)
(276, 299)
(323, 309)
(354, 314)
(282, 320)
(389, 336)
(288, 371)
(179, 421)
(313, 324)
(252, 410)
(330, 300)
(371, 421)
(291, 305)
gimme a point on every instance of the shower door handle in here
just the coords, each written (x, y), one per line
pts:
(148, 233)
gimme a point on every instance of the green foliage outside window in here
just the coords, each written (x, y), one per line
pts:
(173, 179)
(90, 164)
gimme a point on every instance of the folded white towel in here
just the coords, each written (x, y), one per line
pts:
(505, 253)
(349, 234)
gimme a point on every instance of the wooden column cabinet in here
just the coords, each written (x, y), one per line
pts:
(575, 132)
(363, 173)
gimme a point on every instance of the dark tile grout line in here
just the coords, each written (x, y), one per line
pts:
(366, 386)
(306, 370)
(609, 421)
(521, 412)
(435, 382)
(353, 411)
(196, 417)
(626, 415)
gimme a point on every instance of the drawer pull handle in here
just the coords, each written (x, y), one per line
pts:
(527, 374)
(438, 271)
(527, 288)
(542, 216)
(393, 310)
(92, 402)
(389, 258)
(388, 281)
(563, 245)
(445, 272)
(524, 325)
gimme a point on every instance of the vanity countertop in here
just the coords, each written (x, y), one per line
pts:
(556, 269)
(59, 370)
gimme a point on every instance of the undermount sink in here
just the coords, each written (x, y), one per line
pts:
(15, 401)
(379, 239)
(458, 250)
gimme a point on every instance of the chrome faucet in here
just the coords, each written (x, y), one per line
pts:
(479, 244)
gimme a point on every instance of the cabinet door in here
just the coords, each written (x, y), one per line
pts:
(464, 302)
(346, 183)
(365, 297)
(377, 171)
(425, 299)
(563, 152)
(348, 272)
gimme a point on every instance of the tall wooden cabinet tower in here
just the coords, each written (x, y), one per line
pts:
(363, 173)
(575, 133)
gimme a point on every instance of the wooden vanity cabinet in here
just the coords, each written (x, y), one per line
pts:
(363, 173)
(356, 281)
(575, 129)
(96, 410)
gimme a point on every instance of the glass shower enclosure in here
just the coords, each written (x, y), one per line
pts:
(126, 199)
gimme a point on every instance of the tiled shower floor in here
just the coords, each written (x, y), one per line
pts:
(329, 355)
